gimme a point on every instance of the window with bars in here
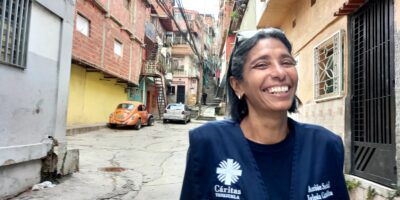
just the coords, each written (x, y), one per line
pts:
(328, 81)
(14, 16)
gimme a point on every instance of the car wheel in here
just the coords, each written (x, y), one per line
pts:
(184, 121)
(111, 125)
(151, 121)
(189, 119)
(164, 121)
(138, 124)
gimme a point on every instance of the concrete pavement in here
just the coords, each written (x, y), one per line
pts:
(124, 164)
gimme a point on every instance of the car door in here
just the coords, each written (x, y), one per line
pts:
(143, 113)
(187, 112)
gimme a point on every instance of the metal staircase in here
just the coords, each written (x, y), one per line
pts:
(155, 69)
(161, 103)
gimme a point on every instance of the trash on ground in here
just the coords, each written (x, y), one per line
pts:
(40, 186)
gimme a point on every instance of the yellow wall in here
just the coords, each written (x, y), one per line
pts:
(314, 24)
(92, 97)
(306, 57)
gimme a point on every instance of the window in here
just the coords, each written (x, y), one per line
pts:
(118, 48)
(178, 16)
(127, 4)
(13, 30)
(170, 90)
(328, 68)
(82, 25)
(188, 16)
(125, 106)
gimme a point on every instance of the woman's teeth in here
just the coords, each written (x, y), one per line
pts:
(278, 89)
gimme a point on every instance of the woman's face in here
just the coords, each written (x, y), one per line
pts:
(269, 77)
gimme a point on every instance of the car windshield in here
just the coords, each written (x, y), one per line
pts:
(126, 106)
(176, 107)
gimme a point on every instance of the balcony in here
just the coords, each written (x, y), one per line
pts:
(181, 49)
(186, 73)
(156, 67)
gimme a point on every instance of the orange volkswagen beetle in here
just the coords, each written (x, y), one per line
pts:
(130, 113)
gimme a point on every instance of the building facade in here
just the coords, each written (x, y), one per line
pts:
(156, 73)
(186, 65)
(107, 57)
(36, 41)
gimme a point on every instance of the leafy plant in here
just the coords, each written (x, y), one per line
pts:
(371, 193)
(235, 15)
(352, 184)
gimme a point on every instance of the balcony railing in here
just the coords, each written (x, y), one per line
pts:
(180, 40)
(185, 73)
(159, 66)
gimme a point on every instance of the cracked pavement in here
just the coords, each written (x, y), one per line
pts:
(152, 161)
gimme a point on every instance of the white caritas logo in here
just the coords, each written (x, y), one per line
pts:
(229, 171)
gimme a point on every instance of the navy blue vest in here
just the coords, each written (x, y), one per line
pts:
(220, 164)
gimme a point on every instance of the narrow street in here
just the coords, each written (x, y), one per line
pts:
(124, 164)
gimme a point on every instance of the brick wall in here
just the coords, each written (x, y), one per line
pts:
(110, 20)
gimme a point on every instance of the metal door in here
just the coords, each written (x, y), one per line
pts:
(372, 88)
(180, 94)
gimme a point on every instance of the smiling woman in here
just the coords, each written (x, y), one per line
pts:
(261, 153)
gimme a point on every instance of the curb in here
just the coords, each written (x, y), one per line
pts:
(84, 129)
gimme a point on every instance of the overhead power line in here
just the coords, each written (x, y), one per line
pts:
(191, 42)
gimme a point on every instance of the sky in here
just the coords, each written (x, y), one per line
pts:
(203, 6)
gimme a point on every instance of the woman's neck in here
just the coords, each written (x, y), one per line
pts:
(268, 128)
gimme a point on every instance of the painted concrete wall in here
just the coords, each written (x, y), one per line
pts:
(33, 100)
(304, 37)
(260, 7)
(249, 18)
(332, 114)
(191, 89)
(92, 97)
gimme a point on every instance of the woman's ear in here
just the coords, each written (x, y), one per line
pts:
(236, 86)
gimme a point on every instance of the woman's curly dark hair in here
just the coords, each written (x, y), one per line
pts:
(238, 107)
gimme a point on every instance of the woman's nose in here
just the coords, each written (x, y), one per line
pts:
(278, 71)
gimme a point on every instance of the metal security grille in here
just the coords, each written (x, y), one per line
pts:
(328, 68)
(13, 31)
(372, 102)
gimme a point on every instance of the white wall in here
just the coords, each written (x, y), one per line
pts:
(260, 7)
(249, 19)
(33, 101)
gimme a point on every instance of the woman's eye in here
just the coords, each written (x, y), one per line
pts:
(261, 65)
(288, 63)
